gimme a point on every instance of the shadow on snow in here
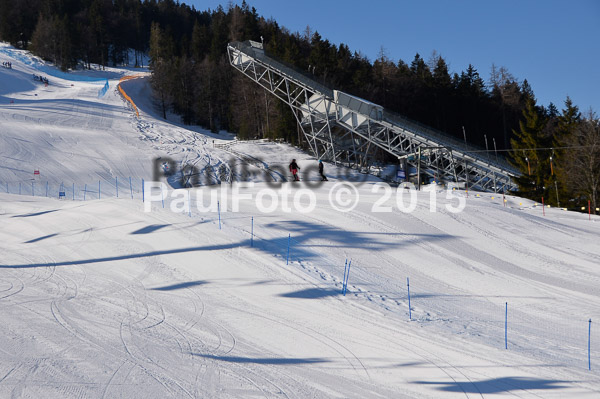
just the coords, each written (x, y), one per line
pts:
(263, 360)
(496, 385)
(312, 293)
(179, 286)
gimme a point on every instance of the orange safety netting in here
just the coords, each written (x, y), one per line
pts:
(125, 94)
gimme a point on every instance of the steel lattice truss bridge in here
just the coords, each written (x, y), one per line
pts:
(348, 130)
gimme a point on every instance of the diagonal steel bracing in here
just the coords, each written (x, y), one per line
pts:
(349, 130)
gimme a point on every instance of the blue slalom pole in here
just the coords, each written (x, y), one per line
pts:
(344, 279)
(117, 185)
(252, 233)
(347, 277)
(162, 197)
(73, 191)
(589, 345)
(130, 187)
(506, 326)
(409, 308)
(219, 211)
(287, 258)
(84, 191)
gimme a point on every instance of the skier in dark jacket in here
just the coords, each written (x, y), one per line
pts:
(294, 169)
(323, 177)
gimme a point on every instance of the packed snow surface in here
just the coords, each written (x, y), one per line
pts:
(100, 299)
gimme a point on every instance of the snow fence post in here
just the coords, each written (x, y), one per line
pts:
(409, 309)
(252, 233)
(130, 187)
(287, 258)
(505, 325)
(589, 343)
(347, 277)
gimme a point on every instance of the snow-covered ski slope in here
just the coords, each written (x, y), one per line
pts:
(99, 299)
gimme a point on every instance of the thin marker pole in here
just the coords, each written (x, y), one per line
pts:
(219, 211)
(84, 191)
(589, 210)
(344, 279)
(130, 187)
(19, 188)
(409, 308)
(73, 191)
(543, 206)
(143, 193)
(589, 345)
(117, 185)
(98, 189)
(252, 233)
(6, 187)
(32, 190)
(162, 198)
(347, 277)
(506, 325)
(287, 258)
(46, 189)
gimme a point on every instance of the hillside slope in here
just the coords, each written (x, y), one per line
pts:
(101, 299)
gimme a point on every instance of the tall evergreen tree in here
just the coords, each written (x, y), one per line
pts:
(200, 41)
(527, 155)
(441, 85)
(161, 62)
(420, 69)
(562, 133)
